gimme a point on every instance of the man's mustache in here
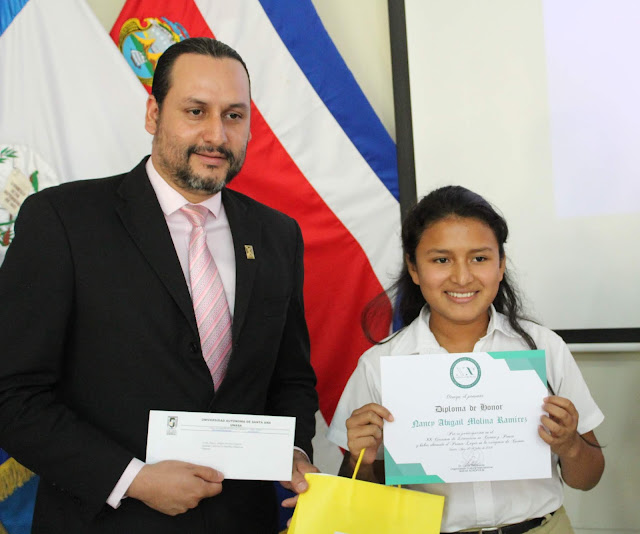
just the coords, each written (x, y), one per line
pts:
(202, 149)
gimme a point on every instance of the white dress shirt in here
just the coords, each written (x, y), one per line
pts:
(478, 504)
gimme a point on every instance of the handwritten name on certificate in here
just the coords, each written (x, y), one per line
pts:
(464, 417)
(244, 447)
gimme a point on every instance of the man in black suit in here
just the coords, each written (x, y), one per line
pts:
(100, 325)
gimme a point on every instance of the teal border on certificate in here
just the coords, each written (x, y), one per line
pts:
(395, 474)
(524, 360)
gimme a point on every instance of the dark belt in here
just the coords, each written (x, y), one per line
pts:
(516, 528)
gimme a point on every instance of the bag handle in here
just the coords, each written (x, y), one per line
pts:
(355, 471)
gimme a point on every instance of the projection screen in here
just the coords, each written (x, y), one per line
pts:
(535, 105)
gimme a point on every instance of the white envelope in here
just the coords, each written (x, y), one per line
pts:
(245, 447)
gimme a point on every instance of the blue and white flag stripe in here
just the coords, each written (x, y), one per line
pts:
(315, 53)
(8, 11)
(55, 58)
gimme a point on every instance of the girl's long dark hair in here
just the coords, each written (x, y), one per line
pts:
(449, 201)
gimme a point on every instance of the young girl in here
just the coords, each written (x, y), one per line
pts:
(455, 296)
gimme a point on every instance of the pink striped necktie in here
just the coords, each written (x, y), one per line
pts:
(209, 301)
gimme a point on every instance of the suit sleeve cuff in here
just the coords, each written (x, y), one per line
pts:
(118, 493)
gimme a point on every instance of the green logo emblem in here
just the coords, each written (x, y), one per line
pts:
(465, 372)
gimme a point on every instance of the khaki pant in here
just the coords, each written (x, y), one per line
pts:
(558, 524)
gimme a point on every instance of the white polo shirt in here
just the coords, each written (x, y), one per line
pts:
(481, 504)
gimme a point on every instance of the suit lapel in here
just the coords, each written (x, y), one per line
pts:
(245, 230)
(143, 219)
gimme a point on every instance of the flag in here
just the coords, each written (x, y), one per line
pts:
(318, 153)
(70, 108)
(18, 488)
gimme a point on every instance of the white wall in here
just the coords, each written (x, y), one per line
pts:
(359, 29)
(107, 11)
(612, 506)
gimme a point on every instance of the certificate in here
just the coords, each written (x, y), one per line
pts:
(245, 447)
(464, 417)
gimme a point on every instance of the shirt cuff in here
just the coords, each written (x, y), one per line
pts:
(118, 493)
(299, 449)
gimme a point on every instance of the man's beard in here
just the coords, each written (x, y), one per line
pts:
(190, 181)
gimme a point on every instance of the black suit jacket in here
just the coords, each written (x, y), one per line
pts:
(99, 329)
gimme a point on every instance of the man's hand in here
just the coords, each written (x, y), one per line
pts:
(301, 466)
(173, 487)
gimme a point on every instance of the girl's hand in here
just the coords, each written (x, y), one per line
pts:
(364, 431)
(560, 428)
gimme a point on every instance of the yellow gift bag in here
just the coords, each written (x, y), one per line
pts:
(338, 505)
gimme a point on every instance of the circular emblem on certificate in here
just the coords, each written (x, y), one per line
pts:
(465, 372)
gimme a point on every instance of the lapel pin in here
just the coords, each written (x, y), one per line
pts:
(248, 249)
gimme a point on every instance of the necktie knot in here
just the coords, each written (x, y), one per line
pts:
(196, 214)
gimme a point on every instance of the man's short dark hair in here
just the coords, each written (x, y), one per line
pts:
(204, 46)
